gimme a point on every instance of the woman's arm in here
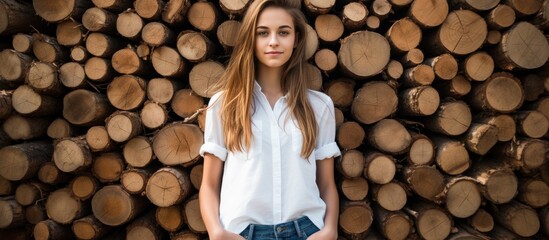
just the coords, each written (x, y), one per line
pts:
(209, 198)
(328, 192)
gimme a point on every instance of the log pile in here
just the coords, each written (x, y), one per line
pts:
(442, 111)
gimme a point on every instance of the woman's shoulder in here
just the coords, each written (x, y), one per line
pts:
(216, 99)
(319, 99)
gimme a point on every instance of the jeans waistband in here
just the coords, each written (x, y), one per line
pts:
(294, 227)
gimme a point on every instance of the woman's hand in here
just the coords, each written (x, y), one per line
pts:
(323, 234)
(225, 235)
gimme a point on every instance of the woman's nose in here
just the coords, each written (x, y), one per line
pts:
(273, 41)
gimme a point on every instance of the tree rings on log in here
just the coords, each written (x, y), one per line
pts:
(178, 143)
(168, 186)
(363, 54)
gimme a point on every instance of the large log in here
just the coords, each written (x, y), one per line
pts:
(72, 154)
(23, 160)
(168, 186)
(113, 206)
(84, 107)
(64, 208)
(18, 16)
(360, 62)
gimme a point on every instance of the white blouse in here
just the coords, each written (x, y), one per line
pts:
(271, 183)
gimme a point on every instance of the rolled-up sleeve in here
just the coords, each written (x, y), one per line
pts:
(213, 131)
(326, 146)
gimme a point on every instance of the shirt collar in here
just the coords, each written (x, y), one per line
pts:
(257, 89)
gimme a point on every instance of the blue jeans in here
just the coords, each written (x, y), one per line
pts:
(293, 230)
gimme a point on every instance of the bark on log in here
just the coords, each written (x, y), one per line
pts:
(524, 154)
(425, 181)
(175, 11)
(445, 66)
(89, 228)
(49, 229)
(30, 192)
(60, 10)
(523, 46)
(84, 108)
(47, 49)
(18, 127)
(505, 125)
(480, 138)
(461, 196)
(12, 214)
(432, 222)
(419, 101)
(28, 102)
(502, 16)
(533, 192)
(392, 224)
(18, 16)
(497, 183)
(16, 66)
(518, 218)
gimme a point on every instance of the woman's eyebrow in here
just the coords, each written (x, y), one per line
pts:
(283, 26)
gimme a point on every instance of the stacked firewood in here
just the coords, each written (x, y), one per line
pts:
(442, 112)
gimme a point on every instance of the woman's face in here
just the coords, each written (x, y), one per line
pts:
(275, 37)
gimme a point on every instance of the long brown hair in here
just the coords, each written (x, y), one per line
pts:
(237, 82)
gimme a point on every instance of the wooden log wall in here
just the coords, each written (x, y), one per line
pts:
(442, 111)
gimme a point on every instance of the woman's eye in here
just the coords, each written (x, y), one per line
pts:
(284, 33)
(262, 33)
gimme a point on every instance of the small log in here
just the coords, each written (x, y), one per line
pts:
(341, 91)
(461, 196)
(318, 6)
(17, 127)
(98, 69)
(84, 186)
(123, 125)
(203, 15)
(525, 154)
(501, 16)
(70, 33)
(432, 222)
(138, 151)
(6, 187)
(170, 218)
(195, 46)
(350, 135)
(129, 24)
(49, 229)
(175, 11)
(404, 35)
(50, 174)
(451, 155)
(354, 15)
(465, 232)
(524, 8)
(144, 227)
(13, 214)
(412, 58)
(234, 7)
(47, 49)
(89, 227)
(493, 37)
(462, 32)
(28, 102)
(99, 20)
(355, 219)
(196, 175)
(43, 78)
(58, 11)
(312, 42)
(227, 33)
(392, 224)
(373, 22)
(102, 45)
(113, 5)
(533, 192)
(113, 206)
(390, 196)
(532, 124)
(108, 167)
(18, 16)
(471, 66)
(329, 28)
(72, 154)
(390, 136)
(156, 34)
(374, 101)
(514, 51)
(167, 62)
(203, 76)
(30, 192)
(394, 70)
(22, 43)
(452, 118)
(64, 208)
(16, 66)
(425, 181)
(351, 164)
(35, 213)
(23, 160)
(127, 92)
(168, 186)
(127, 61)
(518, 218)
(354, 189)
(83, 107)
(326, 60)
(419, 101)
(72, 75)
(153, 115)
(134, 180)
(379, 168)
(360, 62)
(504, 124)
(186, 102)
(162, 90)
(445, 66)
(381, 8)
(192, 216)
(481, 221)
(98, 139)
(497, 183)
(149, 10)
(422, 150)
(428, 13)
(314, 77)
(79, 54)
(476, 5)
(456, 87)
(480, 138)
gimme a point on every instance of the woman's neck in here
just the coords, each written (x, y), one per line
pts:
(270, 81)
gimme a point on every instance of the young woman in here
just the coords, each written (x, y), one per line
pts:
(269, 141)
